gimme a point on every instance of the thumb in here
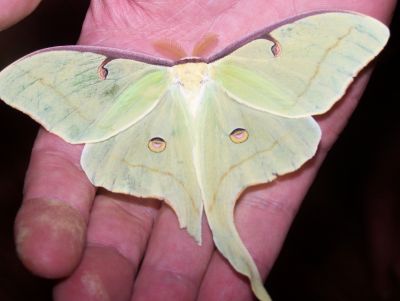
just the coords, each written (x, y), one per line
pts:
(13, 11)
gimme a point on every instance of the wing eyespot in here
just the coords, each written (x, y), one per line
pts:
(102, 71)
(276, 48)
(239, 135)
(157, 145)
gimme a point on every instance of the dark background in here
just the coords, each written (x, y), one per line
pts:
(328, 254)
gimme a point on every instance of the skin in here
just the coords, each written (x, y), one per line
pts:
(98, 240)
(13, 11)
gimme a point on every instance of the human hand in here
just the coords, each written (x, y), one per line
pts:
(51, 234)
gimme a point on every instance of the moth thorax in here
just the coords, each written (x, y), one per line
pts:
(190, 77)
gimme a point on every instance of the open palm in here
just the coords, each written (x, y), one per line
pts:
(99, 240)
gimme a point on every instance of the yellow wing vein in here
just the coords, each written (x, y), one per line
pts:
(234, 166)
(75, 109)
(323, 58)
(166, 174)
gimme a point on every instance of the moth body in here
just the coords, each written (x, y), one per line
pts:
(191, 78)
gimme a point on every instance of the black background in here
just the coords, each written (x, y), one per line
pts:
(326, 255)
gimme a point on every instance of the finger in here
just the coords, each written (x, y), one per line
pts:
(103, 274)
(174, 264)
(51, 224)
(13, 11)
(118, 232)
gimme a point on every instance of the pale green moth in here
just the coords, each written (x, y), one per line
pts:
(198, 131)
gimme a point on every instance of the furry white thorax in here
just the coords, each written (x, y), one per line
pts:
(191, 79)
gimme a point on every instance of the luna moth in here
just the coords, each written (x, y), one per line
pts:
(197, 131)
